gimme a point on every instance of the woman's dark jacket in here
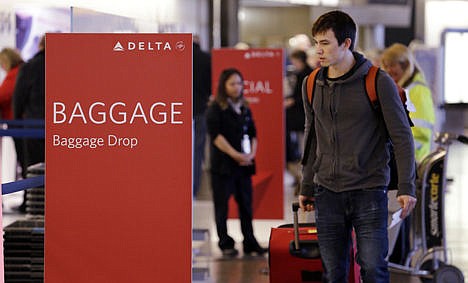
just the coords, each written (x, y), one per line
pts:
(232, 126)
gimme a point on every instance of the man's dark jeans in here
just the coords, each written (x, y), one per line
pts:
(336, 215)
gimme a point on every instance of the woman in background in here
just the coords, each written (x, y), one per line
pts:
(233, 139)
(10, 62)
(400, 64)
(398, 61)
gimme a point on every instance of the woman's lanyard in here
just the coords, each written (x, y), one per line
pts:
(245, 143)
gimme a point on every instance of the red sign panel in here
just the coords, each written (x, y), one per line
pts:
(262, 70)
(118, 157)
(1, 231)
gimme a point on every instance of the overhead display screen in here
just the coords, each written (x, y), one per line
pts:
(455, 62)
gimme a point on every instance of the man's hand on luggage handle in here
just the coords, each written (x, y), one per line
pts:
(306, 203)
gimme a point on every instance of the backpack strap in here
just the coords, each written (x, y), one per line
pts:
(311, 84)
(371, 86)
(371, 90)
(310, 92)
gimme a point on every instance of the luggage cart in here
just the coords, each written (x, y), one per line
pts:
(428, 257)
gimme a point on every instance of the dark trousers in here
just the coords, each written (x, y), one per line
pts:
(238, 184)
(198, 150)
(336, 215)
(19, 146)
(30, 152)
(34, 151)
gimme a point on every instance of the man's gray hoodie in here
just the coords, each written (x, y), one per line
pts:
(349, 138)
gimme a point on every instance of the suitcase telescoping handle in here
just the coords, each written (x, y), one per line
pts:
(295, 209)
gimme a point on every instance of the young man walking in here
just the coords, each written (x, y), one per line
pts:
(346, 154)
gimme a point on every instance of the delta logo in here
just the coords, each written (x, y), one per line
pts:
(150, 46)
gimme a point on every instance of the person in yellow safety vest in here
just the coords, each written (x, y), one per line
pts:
(398, 61)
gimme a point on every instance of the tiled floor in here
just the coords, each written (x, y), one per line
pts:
(246, 270)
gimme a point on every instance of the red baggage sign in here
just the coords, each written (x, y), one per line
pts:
(262, 70)
(118, 158)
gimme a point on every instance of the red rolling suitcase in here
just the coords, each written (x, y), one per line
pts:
(294, 257)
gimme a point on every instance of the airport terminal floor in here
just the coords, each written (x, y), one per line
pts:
(255, 269)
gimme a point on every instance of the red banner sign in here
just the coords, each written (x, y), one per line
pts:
(262, 70)
(118, 151)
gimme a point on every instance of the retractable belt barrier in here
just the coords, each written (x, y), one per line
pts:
(24, 123)
(23, 129)
(24, 184)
